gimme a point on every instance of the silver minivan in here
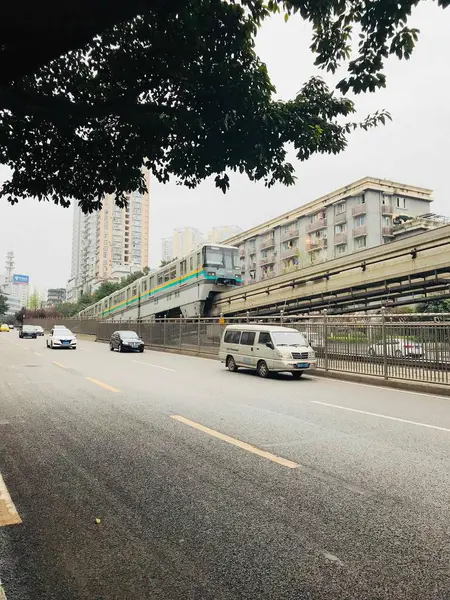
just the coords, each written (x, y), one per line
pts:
(266, 348)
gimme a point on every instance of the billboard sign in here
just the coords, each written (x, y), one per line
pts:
(20, 279)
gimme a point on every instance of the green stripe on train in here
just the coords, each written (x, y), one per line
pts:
(148, 293)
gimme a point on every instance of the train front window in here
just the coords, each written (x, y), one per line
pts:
(229, 258)
(222, 258)
(213, 257)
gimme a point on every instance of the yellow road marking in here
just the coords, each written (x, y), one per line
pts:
(242, 445)
(59, 364)
(8, 512)
(103, 385)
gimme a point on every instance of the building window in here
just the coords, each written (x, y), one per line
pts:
(401, 202)
(387, 221)
(360, 242)
(319, 216)
(363, 199)
(360, 220)
(340, 249)
(341, 228)
(340, 208)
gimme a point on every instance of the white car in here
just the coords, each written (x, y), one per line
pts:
(61, 337)
(398, 347)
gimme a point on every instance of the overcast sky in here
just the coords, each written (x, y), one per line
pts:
(413, 149)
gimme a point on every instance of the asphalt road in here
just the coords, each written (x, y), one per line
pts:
(258, 489)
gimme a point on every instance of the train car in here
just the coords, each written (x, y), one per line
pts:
(183, 287)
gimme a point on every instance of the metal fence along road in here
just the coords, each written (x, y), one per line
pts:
(411, 347)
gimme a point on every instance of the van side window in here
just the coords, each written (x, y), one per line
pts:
(232, 337)
(248, 338)
(264, 337)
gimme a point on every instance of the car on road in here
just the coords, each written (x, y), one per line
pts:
(11, 327)
(4, 327)
(126, 340)
(39, 330)
(61, 337)
(398, 348)
(28, 331)
(266, 349)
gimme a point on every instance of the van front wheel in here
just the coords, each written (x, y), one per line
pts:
(231, 364)
(262, 369)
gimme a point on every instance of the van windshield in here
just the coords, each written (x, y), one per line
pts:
(288, 338)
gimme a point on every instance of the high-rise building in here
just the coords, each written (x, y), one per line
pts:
(185, 240)
(56, 296)
(217, 235)
(14, 286)
(360, 215)
(166, 249)
(108, 241)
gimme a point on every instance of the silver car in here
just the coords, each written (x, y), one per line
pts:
(397, 347)
(61, 337)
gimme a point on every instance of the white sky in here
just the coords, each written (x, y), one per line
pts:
(413, 149)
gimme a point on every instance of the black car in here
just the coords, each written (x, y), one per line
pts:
(126, 340)
(28, 331)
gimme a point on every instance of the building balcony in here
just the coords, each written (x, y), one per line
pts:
(267, 244)
(243, 268)
(291, 234)
(340, 238)
(360, 209)
(387, 231)
(289, 252)
(318, 244)
(241, 252)
(252, 250)
(316, 225)
(267, 260)
(387, 209)
(252, 266)
(340, 218)
(359, 231)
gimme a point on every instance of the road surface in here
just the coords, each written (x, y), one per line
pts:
(164, 477)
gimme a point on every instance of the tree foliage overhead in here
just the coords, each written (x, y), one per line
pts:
(180, 85)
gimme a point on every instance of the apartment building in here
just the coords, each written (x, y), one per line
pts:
(166, 249)
(108, 241)
(357, 216)
(185, 240)
(217, 235)
(56, 296)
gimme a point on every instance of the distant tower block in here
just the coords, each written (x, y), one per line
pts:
(9, 266)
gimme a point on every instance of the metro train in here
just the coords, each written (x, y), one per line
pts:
(182, 287)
